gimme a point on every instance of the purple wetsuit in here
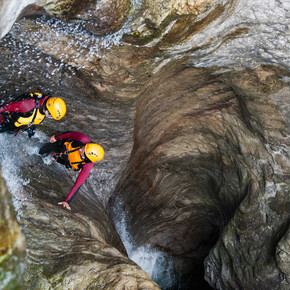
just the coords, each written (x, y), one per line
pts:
(76, 136)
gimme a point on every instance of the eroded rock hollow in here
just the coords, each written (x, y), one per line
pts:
(203, 167)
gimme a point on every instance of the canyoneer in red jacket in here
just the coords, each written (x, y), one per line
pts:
(28, 111)
(76, 151)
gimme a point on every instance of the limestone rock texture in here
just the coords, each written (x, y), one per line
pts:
(79, 249)
(148, 19)
(12, 241)
(196, 158)
(151, 20)
(209, 171)
(253, 249)
(9, 14)
(97, 16)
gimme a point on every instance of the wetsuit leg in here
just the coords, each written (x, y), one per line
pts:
(56, 147)
(31, 131)
(5, 124)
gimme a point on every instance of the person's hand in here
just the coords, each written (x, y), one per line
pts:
(52, 139)
(65, 204)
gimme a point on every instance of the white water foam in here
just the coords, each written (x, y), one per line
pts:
(13, 153)
(157, 264)
(10, 164)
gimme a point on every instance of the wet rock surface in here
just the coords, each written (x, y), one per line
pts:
(98, 17)
(254, 241)
(12, 243)
(209, 164)
(197, 158)
(78, 249)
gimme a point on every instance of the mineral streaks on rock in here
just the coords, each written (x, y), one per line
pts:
(203, 167)
(193, 6)
(176, 175)
(210, 164)
(98, 17)
(108, 16)
(153, 19)
(76, 250)
(253, 249)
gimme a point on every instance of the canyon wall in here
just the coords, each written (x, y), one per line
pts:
(196, 156)
(210, 169)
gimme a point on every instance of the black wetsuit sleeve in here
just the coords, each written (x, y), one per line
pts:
(56, 147)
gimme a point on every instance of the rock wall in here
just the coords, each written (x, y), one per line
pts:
(12, 242)
(210, 163)
(99, 17)
(78, 249)
(9, 11)
(75, 250)
(252, 249)
(207, 180)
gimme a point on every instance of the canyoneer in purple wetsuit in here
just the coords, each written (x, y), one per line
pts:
(74, 150)
(28, 111)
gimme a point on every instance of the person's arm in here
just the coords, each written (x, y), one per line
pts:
(77, 136)
(80, 180)
(20, 106)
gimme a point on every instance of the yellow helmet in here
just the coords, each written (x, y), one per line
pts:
(56, 107)
(94, 152)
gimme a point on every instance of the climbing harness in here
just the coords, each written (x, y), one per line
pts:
(73, 154)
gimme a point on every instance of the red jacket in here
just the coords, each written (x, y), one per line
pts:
(23, 106)
(76, 136)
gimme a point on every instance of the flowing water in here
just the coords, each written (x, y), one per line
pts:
(245, 33)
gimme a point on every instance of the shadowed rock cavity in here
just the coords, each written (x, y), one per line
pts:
(253, 249)
(209, 163)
